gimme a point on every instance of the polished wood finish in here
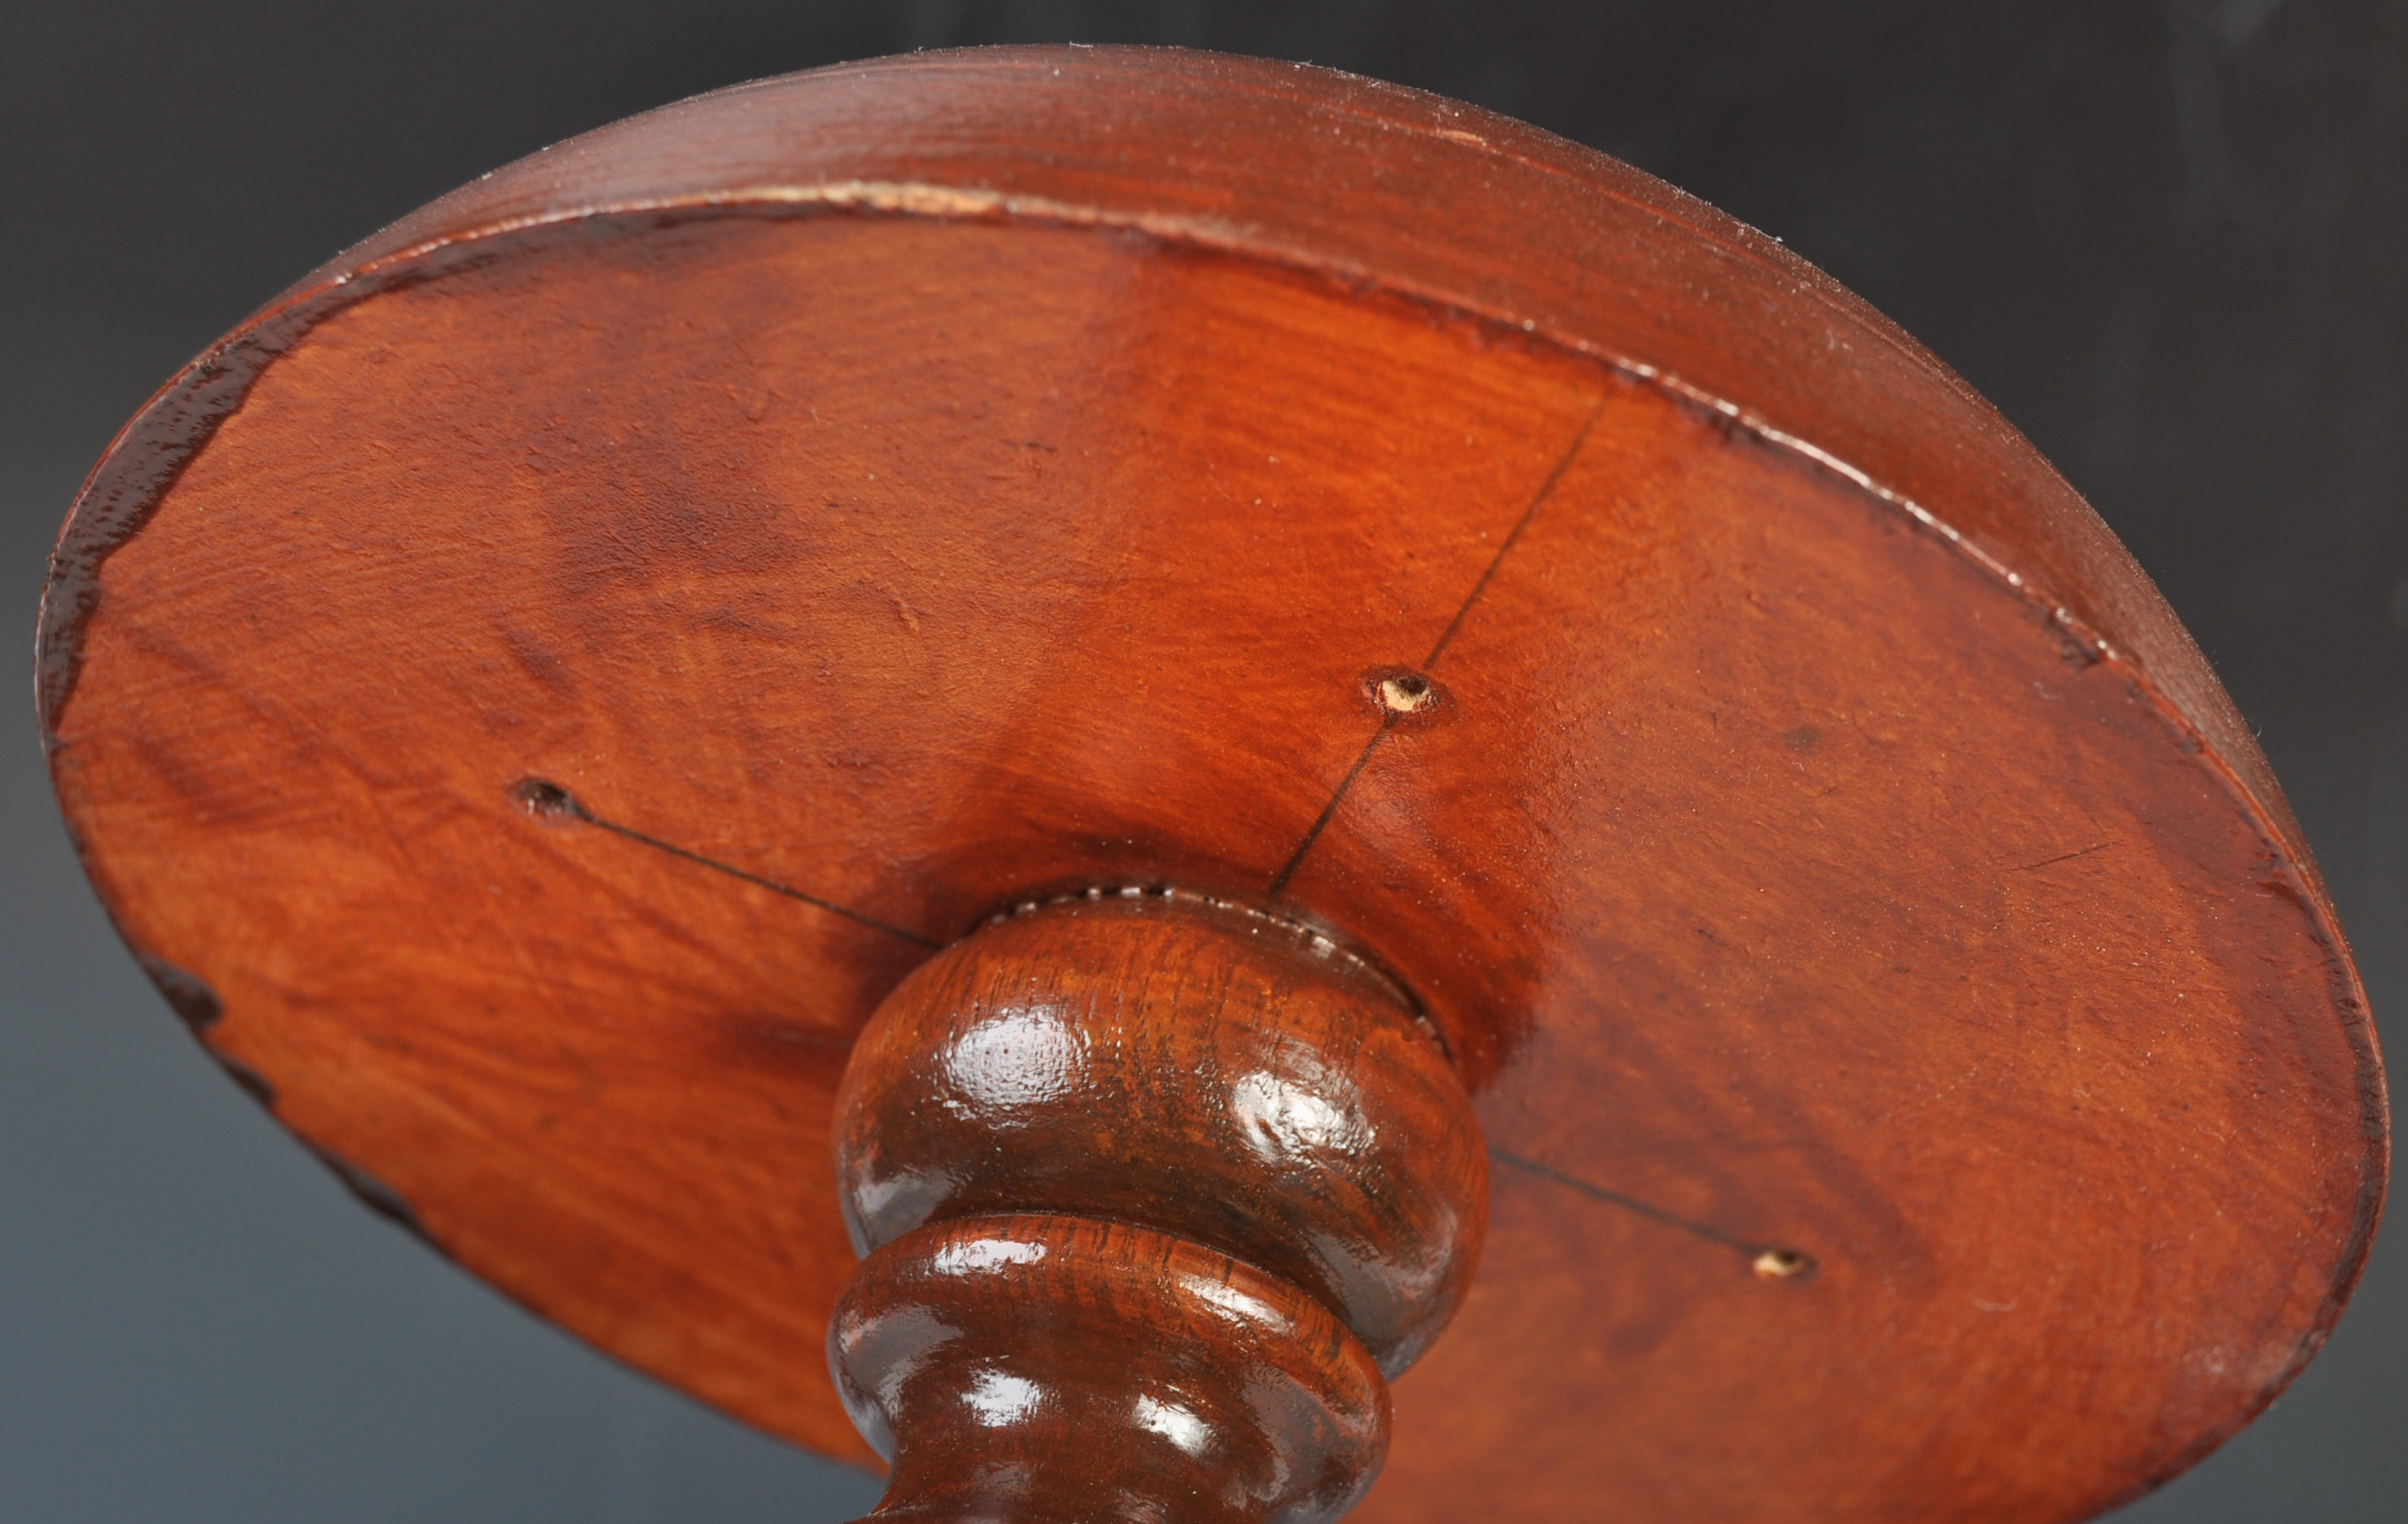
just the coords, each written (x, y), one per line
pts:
(1039, 1368)
(532, 691)
(1196, 1066)
(1156, 1188)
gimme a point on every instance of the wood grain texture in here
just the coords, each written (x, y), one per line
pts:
(1155, 1187)
(1198, 1068)
(534, 690)
(1040, 1368)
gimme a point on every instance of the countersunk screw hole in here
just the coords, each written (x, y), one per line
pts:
(1783, 1264)
(545, 800)
(1406, 692)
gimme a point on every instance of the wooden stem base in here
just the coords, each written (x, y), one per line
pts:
(1052, 1369)
(1155, 1188)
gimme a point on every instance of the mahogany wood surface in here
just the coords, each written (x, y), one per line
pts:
(534, 690)
(1035, 1367)
(1197, 1067)
(1238, 1185)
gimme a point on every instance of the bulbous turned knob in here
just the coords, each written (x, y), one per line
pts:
(1157, 1190)
(1069, 1369)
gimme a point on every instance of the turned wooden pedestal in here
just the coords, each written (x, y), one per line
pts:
(1156, 1190)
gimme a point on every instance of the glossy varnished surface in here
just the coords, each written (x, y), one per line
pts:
(532, 701)
(1036, 1369)
(1198, 1068)
(1155, 1190)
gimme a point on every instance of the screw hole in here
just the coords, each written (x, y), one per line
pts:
(1783, 1264)
(545, 800)
(1406, 693)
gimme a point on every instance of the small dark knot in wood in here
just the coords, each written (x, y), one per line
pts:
(1156, 1191)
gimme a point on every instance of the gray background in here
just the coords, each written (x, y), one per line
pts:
(2168, 239)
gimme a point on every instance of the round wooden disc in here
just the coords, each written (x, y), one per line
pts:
(532, 689)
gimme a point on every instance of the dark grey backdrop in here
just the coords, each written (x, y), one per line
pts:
(2168, 237)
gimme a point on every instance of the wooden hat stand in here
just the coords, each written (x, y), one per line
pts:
(1255, 729)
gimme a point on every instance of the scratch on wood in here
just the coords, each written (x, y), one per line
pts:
(2062, 857)
(549, 801)
(1793, 1264)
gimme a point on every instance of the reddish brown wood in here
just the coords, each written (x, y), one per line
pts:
(1197, 1067)
(1241, 1184)
(1241, 1188)
(535, 688)
(1045, 1368)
